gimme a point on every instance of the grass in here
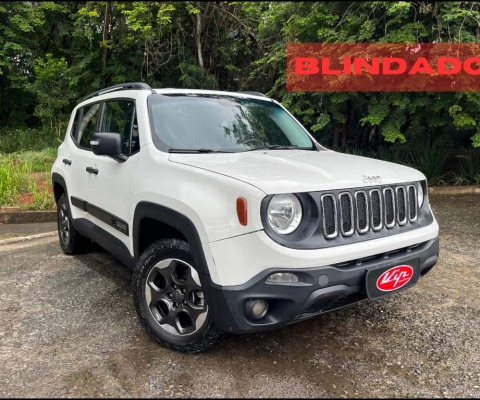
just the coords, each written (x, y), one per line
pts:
(469, 165)
(393, 155)
(25, 179)
(12, 140)
(429, 158)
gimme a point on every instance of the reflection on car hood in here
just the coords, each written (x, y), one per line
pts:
(294, 171)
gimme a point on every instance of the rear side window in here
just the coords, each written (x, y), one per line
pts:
(119, 117)
(84, 125)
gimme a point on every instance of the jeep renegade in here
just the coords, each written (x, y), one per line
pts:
(232, 217)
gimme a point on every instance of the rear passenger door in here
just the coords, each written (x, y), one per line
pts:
(110, 190)
(84, 126)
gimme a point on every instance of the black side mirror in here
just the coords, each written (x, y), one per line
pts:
(108, 144)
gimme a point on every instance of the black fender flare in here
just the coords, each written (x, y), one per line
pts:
(57, 178)
(176, 220)
(187, 228)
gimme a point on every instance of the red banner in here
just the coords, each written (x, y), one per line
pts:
(383, 67)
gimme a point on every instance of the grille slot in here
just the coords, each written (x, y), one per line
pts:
(362, 211)
(389, 207)
(401, 206)
(376, 202)
(412, 203)
(329, 208)
(346, 214)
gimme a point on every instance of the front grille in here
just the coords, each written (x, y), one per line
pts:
(364, 211)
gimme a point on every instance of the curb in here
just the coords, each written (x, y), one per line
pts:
(454, 190)
(25, 238)
(25, 217)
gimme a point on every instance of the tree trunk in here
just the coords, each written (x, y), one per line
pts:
(198, 37)
(106, 29)
(372, 134)
(359, 139)
(214, 44)
(336, 136)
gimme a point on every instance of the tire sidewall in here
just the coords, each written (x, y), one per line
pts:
(61, 202)
(156, 252)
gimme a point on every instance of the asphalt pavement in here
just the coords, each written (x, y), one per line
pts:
(8, 231)
(68, 328)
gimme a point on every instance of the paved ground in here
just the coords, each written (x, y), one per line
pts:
(68, 328)
(8, 231)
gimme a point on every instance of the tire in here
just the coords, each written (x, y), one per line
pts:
(71, 242)
(169, 298)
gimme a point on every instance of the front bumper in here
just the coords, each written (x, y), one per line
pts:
(323, 289)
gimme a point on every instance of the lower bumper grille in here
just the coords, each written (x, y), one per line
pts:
(325, 305)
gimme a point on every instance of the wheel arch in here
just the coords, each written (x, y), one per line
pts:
(176, 221)
(59, 186)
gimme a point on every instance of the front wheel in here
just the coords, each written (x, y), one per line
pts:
(169, 298)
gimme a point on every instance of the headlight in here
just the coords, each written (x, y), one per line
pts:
(420, 194)
(284, 213)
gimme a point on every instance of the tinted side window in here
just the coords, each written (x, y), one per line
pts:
(119, 117)
(86, 125)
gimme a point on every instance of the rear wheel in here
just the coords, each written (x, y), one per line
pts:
(71, 241)
(169, 298)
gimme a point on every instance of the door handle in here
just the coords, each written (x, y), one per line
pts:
(92, 170)
(67, 161)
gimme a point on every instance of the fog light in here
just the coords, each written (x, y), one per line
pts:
(256, 308)
(282, 277)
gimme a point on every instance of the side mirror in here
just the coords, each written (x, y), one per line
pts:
(108, 144)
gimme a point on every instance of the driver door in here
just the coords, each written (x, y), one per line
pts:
(110, 184)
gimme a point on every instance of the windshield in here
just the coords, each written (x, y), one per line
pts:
(223, 123)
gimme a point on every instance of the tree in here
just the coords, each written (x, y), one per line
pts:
(53, 89)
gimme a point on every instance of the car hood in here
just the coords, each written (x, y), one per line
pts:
(294, 171)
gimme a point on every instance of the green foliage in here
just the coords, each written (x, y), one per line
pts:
(391, 117)
(12, 178)
(469, 165)
(25, 180)
(457, 179)
(394, 155)
(53, 88)
(54, 53)
(362, 152)
(429, 158)
(16, 139)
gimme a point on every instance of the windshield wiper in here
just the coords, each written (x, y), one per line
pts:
(202, 150)
(275, 147)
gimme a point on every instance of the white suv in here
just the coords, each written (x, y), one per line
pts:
(233, 218)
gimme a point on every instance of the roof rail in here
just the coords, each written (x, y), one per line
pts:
(121, 86)
(254, 93)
